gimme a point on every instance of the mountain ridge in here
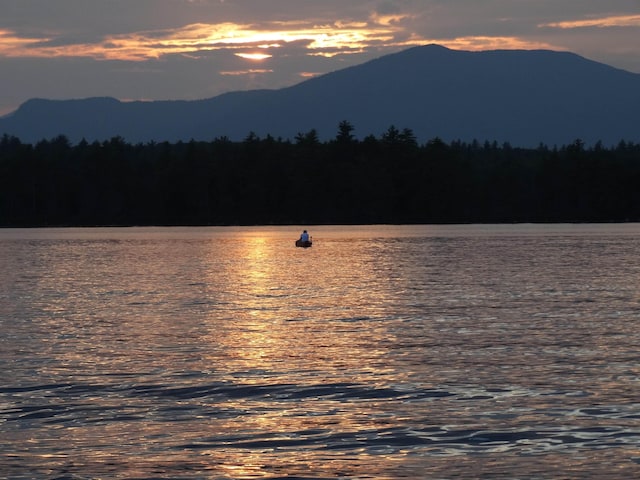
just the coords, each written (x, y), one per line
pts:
(524, 97)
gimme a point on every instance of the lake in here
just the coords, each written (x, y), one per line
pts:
(462, 351)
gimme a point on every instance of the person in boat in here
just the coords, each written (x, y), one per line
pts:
(304, 236)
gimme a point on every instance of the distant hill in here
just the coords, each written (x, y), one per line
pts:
(517, 96)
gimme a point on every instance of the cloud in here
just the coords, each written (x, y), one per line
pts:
(603, 22)
(364, 26)
(322, 39)
(10, 42)
(494, 43)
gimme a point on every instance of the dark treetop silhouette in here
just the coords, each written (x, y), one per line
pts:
(386, 179)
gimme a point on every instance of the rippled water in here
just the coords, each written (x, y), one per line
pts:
(380, 352)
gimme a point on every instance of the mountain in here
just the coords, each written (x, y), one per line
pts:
(523, 97)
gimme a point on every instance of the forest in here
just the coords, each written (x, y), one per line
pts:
(386, 179)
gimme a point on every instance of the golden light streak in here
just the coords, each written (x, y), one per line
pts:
(309, 74)
(605, 22)
(251, 71)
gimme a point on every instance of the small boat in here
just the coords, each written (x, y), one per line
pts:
(303, 243)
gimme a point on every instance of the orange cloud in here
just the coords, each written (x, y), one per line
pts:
(319, 40)
(604, 22)
(389, 19)
(477, 43)
(11, 43)
(328, 40)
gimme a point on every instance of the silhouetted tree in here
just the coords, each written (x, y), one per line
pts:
(390, 179)
(391, 136)
(345, 132)
(308, 139)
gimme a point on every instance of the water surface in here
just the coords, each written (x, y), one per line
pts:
(381, 352)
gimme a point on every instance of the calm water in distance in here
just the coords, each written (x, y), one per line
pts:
(384, 352)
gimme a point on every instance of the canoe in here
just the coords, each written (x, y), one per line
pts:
(304, 243)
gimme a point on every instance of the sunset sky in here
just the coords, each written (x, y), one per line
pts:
(193, 49)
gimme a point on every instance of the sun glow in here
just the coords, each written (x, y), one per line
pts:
(254, 56)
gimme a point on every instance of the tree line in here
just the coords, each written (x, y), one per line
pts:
(386, 179)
